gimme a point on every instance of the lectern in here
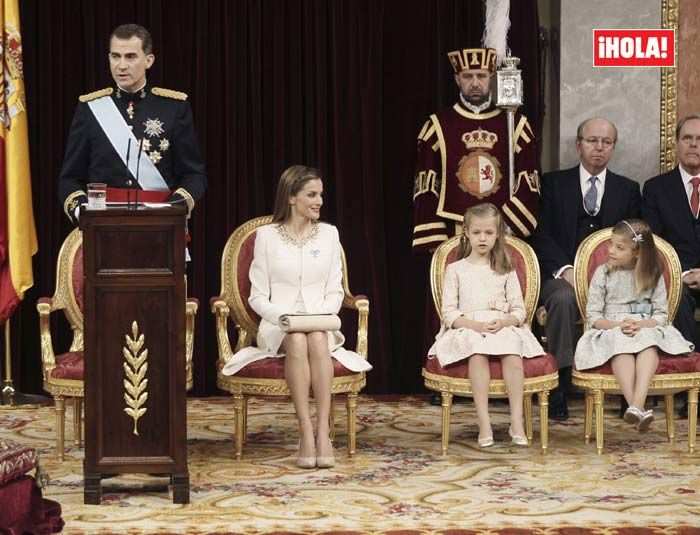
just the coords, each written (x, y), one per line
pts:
(134, 320)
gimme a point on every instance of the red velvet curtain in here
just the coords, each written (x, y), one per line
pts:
(343, 85)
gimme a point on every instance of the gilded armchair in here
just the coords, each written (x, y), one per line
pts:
(63, 373)
(266, 377)
(673, 374)
(541, 373)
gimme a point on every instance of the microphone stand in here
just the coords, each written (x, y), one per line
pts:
(127, 176)
(138, 165)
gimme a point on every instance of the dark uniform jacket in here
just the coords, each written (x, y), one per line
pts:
(161, 118)
(555, 240)
(666, 208)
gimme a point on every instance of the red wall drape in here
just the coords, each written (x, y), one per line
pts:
(344, 85)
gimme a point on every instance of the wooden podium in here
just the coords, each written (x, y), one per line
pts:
(134, 310)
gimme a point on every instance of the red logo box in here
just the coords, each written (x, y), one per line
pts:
(634, 48)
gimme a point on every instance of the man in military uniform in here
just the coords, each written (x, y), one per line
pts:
(463, 159)
(153, 126)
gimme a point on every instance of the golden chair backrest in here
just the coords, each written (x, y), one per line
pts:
(593, 252)
(524, 261)
(235, 281)
(68, 294)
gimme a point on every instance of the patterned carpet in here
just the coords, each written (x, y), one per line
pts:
(397, 483)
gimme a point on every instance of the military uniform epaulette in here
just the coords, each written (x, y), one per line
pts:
(96, 94)
(169, 93)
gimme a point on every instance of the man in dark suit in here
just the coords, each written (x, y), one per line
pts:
(670, 205)
(575, 203)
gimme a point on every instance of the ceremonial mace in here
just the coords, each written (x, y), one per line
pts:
(509, 87)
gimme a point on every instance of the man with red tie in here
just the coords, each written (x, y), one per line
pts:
(670, 204)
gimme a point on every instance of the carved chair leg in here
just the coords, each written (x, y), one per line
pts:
(77, 421)
(446, 409)
(351, 405)
(599, 397)
(543, 399)
(331, 419)
(588, 417)
(670, 427)
(692, 417)
(527, 409)
(238, 404)
(245, 420)
(60, 408)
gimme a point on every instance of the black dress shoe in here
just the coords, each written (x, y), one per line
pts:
(623, 407)
(558, 409)
(683, 411)
(435, 399)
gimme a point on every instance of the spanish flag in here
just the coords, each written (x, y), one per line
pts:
(17, 232)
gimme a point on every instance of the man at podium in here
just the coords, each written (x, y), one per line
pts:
(132, 135)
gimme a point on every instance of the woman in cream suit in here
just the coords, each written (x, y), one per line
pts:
(297, 268)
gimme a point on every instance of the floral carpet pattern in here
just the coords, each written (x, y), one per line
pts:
(397, 483)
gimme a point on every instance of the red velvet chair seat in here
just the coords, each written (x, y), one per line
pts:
(667, 365)
(15, 459)
(69, 366)
(273, 368)
(534, 367)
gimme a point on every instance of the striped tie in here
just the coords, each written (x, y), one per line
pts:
(591, 198)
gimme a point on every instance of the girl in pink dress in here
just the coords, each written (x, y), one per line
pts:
(483, 313)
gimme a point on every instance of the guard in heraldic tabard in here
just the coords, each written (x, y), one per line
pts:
(463, 159)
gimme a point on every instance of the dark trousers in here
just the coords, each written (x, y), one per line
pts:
(685, 317)
(562, 333)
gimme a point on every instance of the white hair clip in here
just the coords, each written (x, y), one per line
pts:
(637, 238)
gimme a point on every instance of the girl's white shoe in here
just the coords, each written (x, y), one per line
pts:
(633, 416)
(645, 421)
(485, 442)
(517, 440)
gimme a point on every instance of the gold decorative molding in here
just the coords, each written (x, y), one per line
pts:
(135, 369)
(497, 387)
(251, 386)
(669, 92)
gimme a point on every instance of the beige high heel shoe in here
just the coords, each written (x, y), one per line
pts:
(517, 440)
(305, 462)
(326, 462)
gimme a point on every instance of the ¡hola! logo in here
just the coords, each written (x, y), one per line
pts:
(634, 48)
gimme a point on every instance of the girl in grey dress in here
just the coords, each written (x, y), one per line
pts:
(627, 315)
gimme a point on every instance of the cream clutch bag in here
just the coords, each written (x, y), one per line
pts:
(306, 323)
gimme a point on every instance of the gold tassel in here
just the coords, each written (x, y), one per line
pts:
(42, 476)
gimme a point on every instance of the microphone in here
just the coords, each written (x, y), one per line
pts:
(127, 178)
(138, 165)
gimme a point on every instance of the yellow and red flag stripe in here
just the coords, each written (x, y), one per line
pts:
(17, 231)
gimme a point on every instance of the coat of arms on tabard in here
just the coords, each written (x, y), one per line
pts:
(479, 173)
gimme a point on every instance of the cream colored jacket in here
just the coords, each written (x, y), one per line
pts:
(281, 270)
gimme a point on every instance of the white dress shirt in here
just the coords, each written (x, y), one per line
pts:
(687, 184)
(584, 177)
(586, 185)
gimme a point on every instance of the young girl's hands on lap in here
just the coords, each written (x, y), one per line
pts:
(494, 326)
(630, 327)
(464, 323)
